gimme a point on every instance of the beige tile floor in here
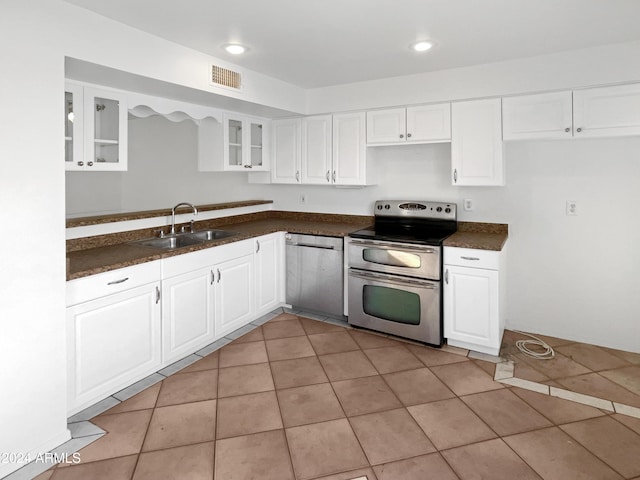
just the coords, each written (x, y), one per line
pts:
(299, 399)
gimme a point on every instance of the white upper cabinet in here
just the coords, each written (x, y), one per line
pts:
(592, 112)
(316, 162)
(95, 129)
(476, 143)
(546, 115)
(607, 111)
(386, 126)
(286, 150)
(420, 124)
(321, 150)
(350, 150)
(240, 143)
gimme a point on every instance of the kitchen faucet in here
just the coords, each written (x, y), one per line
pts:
(173, 214)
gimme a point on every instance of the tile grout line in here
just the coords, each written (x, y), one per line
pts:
(581, 398)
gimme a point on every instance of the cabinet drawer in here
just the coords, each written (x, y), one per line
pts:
(96, 286)
(469, 257)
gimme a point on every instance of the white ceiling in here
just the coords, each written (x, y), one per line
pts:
(316, 43)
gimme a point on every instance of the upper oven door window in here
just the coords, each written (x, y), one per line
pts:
(395, 258)
(420, 261)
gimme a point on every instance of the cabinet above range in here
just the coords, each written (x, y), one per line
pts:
(419, 124)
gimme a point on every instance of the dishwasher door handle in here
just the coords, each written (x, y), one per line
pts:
(310, 245)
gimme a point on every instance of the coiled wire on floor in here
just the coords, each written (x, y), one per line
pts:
(525, 346)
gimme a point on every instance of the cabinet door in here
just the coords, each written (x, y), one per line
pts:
(256, 131)
(286, 151)
(386, 126)
(429, 123)
(476, 142)
(187, 313)
(73, 127)
(607, 111)
(547, 115)
(316, 150)
(234, 295)
(112, 342)
(471, 305)
(233, 142)
(106, 129)
(269, 262)
(349, 149)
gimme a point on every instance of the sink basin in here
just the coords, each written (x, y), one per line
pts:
(209, 235)
(180, 240)
(174, 241)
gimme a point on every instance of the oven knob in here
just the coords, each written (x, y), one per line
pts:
(447, 210)
(387, 206)
(439, 209)
(379, 207)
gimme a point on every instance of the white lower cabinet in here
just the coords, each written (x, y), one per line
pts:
(112, 342)
(125, 324)
(473, 299)
(187, 313)
(234, 294)
(269, 272)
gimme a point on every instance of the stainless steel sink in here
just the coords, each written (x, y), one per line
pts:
(171, 242)
(209, 235)
(179, 240)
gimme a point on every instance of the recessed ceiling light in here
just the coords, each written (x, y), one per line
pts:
(235, 49)
(422, 46)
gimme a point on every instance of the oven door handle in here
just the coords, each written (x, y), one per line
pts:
(394, 246)
(392, 279)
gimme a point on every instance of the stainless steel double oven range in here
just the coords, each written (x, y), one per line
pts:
(395, 269)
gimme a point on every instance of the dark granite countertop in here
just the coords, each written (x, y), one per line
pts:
(481, 236)
(102, 253)
(92, 255)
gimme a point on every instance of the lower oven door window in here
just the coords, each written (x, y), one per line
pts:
(391, 304)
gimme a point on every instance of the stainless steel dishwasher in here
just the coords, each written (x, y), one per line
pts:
(315, 273)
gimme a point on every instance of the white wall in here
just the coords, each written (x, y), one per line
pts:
(32, 261)
(568, 276)
(608, 64)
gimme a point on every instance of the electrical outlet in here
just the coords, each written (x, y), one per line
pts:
(467, 204)
(572, 207)
(303, 198)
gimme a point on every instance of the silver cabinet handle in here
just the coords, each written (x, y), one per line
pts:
(157, 294)
(248, 166)
(257, 246)
(567, 129)
(334, 176)
(469, 258)
(213, 277)
(408, 135)
(219, 275)
(455, 175)
(446, 276)
(80, 164)
(90, 164)
(401, 136)
(578, 130)
(297, 175)
(115, 282)
(328, 176)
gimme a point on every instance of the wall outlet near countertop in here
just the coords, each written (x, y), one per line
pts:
(467, 204)
(572, 208)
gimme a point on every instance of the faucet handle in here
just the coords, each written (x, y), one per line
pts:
(160, 233)
(191, 222)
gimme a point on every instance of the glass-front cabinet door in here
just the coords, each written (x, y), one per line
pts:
(244, 143)
(105, 129)
(73, 127)
(256, 136)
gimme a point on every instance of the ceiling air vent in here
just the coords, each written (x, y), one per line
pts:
(225, 78)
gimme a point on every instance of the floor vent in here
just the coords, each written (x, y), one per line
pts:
(225, 77)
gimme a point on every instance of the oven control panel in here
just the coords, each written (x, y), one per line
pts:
(415, 209)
